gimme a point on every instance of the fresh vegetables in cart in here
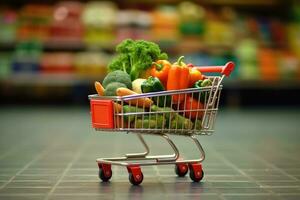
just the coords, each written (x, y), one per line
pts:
(144, 93)
(140, 67)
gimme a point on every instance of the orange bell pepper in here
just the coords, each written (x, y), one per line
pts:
(195, 75)
(178, 78)
(160, 69)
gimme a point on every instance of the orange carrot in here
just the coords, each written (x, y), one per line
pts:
(117, 108)
(99, 88)
(141, 102)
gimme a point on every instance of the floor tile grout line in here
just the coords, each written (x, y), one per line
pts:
(13, 149)
(275, 167)
(226, 161)
(157, 172)
(68, 167)
(26, 166)
(30, 162)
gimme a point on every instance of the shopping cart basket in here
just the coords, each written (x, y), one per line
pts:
(194, 114)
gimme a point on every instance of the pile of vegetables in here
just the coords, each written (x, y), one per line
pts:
(141, 67)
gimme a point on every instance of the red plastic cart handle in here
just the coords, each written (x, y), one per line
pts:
(225, 69)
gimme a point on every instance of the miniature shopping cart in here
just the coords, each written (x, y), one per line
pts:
(193, 113)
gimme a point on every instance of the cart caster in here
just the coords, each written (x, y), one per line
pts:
(181, 169)
(105, 172)
(135, 175)
(196, 172)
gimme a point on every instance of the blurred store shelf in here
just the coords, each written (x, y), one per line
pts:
(243, 2)
(69, 44)
(211, 2)
(21, 79)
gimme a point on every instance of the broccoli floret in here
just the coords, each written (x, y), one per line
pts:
(111, 88)
(120, 62)
(136, 57)
(117, 76)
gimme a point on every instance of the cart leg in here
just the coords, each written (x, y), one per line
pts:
(135, 174)
(105, 172)
(139, 155)
(167, 158)
(202, 153)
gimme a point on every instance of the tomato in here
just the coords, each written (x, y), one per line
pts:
(192, 104)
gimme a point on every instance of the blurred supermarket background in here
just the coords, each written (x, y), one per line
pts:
(52, 51)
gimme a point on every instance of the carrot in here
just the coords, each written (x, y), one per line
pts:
(141, 102)
(99, 88)
(119, 123)
(117, 108)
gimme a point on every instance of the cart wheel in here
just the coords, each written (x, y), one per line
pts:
(136, 179)
(181, 169)
(105, 172)
(135, 175)
(196, 172)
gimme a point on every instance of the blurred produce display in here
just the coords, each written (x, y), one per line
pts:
(74, 37)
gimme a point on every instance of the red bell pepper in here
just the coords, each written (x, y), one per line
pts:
(192, 104)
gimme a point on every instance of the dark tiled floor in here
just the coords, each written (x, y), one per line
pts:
(49, 153)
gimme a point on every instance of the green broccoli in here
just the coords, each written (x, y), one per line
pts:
(136, 57)
(117, 76)
(120, 62)
(111, 88)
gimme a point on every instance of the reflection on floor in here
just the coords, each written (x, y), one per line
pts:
(49, 153)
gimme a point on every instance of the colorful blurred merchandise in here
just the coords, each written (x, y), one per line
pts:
(278, 33)
(34, 21)
(289, 66)
(266, 48)
(191, 17)
(5, 65)
(218, 33)
(294, 38)
(165, 22)
(26, 57)
(8, 24)
(133, 24)
(99, 19)
(58, 62)
(295, 11)
(66, 24)
(267, 60)
(247, 54)
(91, 63)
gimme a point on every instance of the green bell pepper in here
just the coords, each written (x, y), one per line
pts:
(200, 84)
(153, 84)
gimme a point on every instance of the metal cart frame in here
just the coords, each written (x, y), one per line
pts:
(133, 161)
